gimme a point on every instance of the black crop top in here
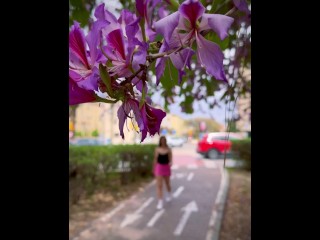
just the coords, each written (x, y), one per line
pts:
(163, 158)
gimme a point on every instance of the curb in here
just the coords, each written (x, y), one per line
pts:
(218, 209)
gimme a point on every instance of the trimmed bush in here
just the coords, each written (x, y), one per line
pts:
(93, 168)
(241, 150)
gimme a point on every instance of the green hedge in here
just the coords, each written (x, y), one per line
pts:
(241, 150)
(93, 168)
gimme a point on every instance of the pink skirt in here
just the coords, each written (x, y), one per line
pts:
(162, 170)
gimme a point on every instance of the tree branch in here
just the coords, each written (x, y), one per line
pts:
(164, 54)
(232, 10)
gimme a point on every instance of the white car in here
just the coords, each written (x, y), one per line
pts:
(174, 141)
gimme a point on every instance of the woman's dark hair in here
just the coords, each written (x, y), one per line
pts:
(162, 137)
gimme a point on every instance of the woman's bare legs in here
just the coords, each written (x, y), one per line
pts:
(159, 191)
(168, 184)
(159, 187)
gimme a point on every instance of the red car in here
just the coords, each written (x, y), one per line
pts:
(212, 145)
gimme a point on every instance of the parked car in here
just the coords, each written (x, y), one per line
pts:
(213, 145)
(86, 142)
(175, 141)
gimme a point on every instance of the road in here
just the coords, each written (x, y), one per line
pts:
(195, 186)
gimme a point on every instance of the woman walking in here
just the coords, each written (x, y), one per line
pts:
(162, 169)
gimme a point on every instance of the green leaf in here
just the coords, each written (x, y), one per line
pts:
(216, 4)
(224, 95)
(187, 104)
(99, 99)
(143, 30)
(80, 10)
(187, 89)
(152, 67)
(170, 76)
(210, 88)
(213, 37)
(106, 79)
(174, 5)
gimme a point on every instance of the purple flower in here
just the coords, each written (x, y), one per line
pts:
(139, 84)
(152, 119)
(187, 25)
(163, 12)
(144, 10)
(103, 14)
(141, 6)
(79, 95)
(179, 60)
(82, 69)
(124, 112)
(125, 55)
(129, 24)
(242, 5)
(123, 49)
(148, 118)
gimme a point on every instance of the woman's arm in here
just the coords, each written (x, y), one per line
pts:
(170, 157)
(155, 156)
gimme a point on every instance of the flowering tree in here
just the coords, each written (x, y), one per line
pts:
(181, 44)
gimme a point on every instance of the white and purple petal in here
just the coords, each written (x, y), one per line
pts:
(144, 118)
(90, 82)
(167, 25)
(150, 33)
(115, 41)
(141, 7)
(217, 22)
(78, 95)
(103, 14)
(161, 62)
(94, 39)
(122, 113)
(77, 44)
(134, 106)
(242, 5)
(129, 23)
(182, 58)
(211, 57)
(154, 119)
(191, 10)
(163, 12)
(139, 56)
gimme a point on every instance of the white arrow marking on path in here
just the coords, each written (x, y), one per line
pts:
(188, 209)
(178, 192)
(210, 164)
(131, 218)
(143, 206)
(190, 176)
(179, 175)
(155, 218)
(174, 167)
(192, 166)
(110, 214)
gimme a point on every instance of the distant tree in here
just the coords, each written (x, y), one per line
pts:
(233, 127)
(95, 133)
(78, 134)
